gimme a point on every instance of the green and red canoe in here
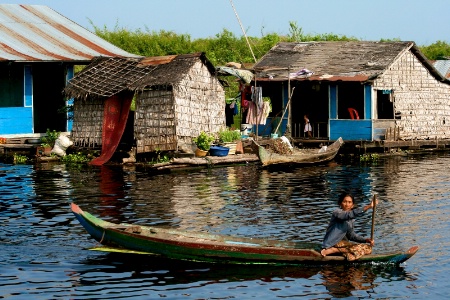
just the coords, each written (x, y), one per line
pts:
(205, 247)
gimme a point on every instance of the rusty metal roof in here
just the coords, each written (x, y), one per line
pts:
(32, 33)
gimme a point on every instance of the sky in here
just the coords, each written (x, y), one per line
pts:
(420, 21)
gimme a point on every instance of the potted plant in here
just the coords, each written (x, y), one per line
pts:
(48, 140)
(230, 138)
(203, 142)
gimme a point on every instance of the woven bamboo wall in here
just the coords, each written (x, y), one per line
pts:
(199, 104)
(154, 123)
(87, 123)
(422, 102)
(167, 120)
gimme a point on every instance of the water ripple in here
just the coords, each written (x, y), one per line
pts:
(43, 249)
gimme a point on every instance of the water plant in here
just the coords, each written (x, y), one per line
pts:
(75, 158)
(20, 159)
(368, 157)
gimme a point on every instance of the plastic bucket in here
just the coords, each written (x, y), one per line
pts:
(246, 129)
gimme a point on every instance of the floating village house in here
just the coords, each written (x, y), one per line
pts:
(38, 51)
(360, 91)
(175, 98)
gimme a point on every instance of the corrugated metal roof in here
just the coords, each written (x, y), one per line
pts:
(38, 33)
(443, 66)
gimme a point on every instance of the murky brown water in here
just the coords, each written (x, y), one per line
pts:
(43, 249)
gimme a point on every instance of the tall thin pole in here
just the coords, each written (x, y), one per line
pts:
(256, 110)
(374, 201)
(242, 28)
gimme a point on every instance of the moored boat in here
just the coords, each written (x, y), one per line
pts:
(205, 247)
(298, 156)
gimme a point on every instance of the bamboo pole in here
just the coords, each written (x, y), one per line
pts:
(242, 28)
(289, 101)
(374, 201)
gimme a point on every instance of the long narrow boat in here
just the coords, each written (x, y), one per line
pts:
(298, 156)
(204, 247)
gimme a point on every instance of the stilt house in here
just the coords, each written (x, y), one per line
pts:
(357, 90)
(38, 51)
(176, 97)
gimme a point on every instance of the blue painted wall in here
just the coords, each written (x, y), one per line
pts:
(269, 127)
(23, 102)
(28, 86)
(367, 101)
(70, 74)
(333, 102)
(14, 120)
(351, 130)
(284, 121)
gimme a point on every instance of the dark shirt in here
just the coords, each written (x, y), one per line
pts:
(341, 225)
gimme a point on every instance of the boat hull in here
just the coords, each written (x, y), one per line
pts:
(308, 156)
(212, 248)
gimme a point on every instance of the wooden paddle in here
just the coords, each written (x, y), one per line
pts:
(374, 201)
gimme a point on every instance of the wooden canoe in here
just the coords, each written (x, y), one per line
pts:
(299, 156)
(204, 247)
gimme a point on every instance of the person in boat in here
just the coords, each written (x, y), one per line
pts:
(340, 231)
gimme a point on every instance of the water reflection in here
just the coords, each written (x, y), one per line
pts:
(149, 274)
(42, 246)
(341, 281)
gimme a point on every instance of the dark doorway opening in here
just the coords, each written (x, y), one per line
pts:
(310, 98)
(48, 100)
(350, 99)
(385, 105)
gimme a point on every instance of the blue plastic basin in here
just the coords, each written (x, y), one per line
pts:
(218, 151)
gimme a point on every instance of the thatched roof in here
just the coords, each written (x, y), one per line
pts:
(333, 61)
(105, 77)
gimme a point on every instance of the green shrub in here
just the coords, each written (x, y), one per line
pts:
(203, 141)
(49, 139)
(229, 136)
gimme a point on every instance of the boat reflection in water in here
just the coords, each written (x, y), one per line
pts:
(144, 274)
(41, 238)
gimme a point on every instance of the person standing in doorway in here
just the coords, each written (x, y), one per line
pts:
(308, 128)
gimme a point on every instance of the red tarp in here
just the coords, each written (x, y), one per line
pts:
(115, 117)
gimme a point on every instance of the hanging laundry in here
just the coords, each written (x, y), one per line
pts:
(258, 116)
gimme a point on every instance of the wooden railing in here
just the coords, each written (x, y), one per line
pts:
(319, 129)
